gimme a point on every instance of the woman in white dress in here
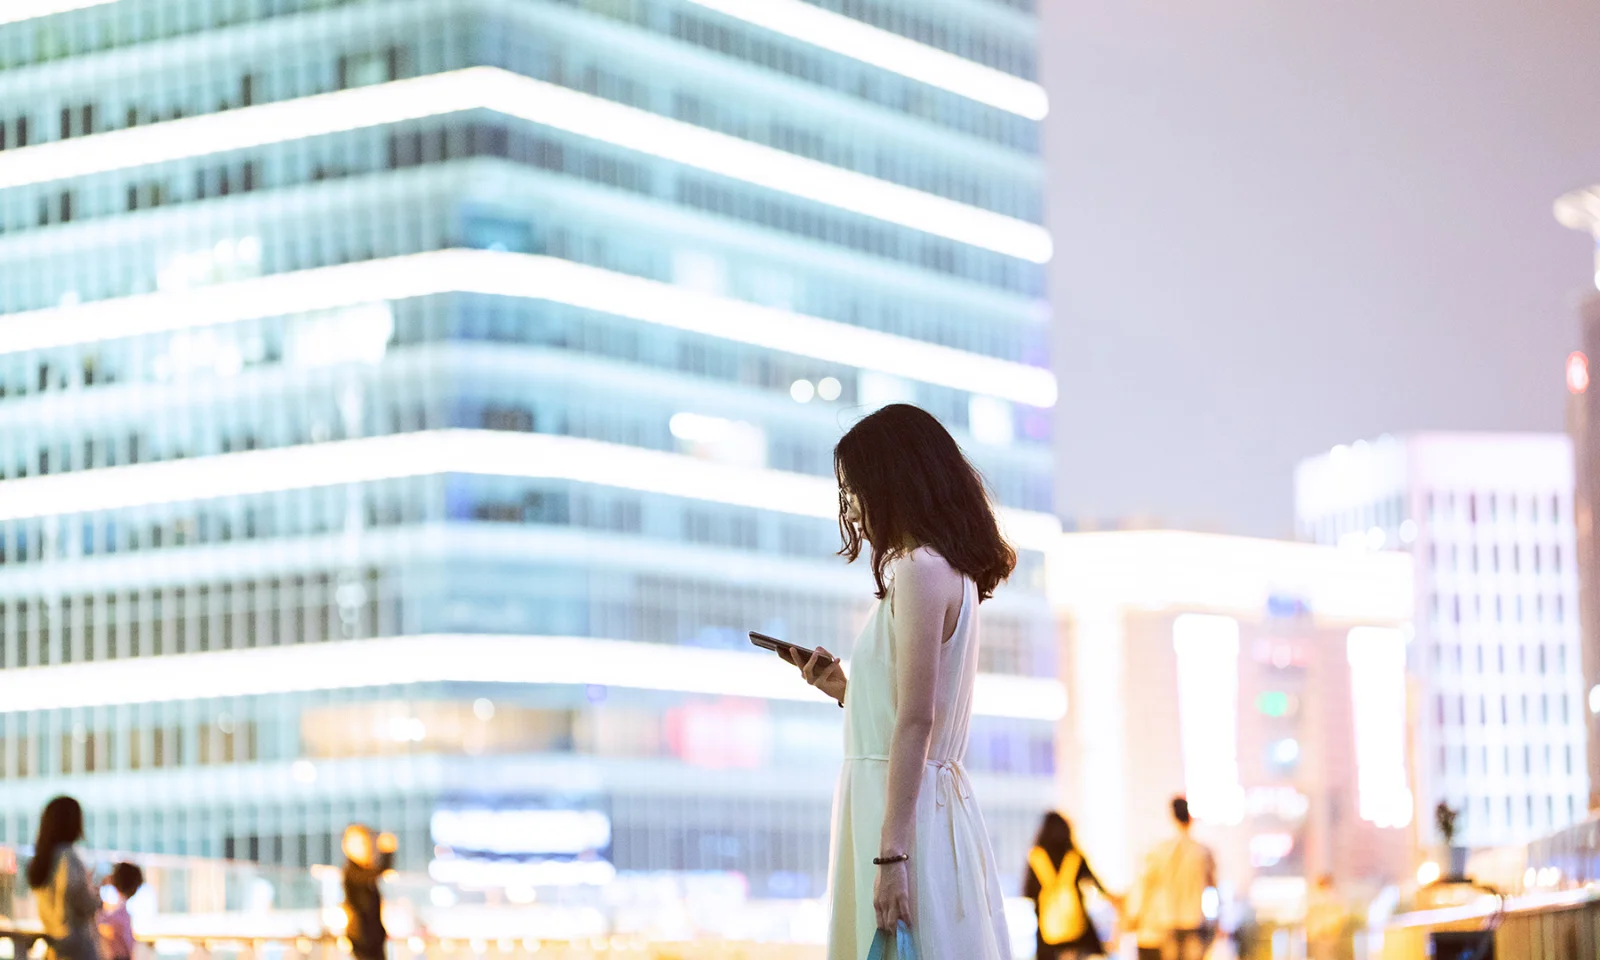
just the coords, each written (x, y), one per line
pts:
(908, 840)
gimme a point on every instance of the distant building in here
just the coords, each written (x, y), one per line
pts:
(1263, 679)
(1580, 210)
(1583, 426)
(1500, 722)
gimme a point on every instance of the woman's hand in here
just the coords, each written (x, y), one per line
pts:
(822, 671)
(891, 895)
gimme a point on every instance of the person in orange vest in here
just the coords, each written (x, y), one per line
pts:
(1057, 872)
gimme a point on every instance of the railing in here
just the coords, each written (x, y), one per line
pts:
(192, 906)
(1542, 925)
(18, 944)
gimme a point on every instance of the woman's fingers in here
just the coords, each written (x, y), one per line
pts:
(812, 668)
(902, 909)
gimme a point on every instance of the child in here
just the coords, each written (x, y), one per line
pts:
(116, 929)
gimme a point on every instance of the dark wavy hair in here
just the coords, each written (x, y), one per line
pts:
(916, 488)
(1054, 837)
(61, 824)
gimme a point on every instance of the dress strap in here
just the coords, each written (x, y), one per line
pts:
(952, 789)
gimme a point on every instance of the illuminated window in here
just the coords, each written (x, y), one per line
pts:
(1208, 689)
(1377, 681)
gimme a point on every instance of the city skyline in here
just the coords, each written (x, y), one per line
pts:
(409, 410)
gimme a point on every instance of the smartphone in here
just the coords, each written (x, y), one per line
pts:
(781, 648)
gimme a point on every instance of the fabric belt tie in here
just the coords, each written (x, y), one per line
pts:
(953, 789)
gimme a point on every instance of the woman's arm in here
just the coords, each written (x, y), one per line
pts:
(924, 586)
(1086, 874)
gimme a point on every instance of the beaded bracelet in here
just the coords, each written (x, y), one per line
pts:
(897, 858)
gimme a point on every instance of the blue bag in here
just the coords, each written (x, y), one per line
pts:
(895, 946)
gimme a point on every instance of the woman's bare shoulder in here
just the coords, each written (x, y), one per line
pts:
(925, 571)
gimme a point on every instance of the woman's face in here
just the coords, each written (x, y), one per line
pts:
(852, 512)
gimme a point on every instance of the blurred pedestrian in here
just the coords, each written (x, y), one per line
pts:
(365, 863)
(66, 900)
(1056, 874)
(1173, 890)
(116, 927)
(1148, 929)
(1325, 921)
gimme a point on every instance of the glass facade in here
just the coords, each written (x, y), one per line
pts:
(377, 327)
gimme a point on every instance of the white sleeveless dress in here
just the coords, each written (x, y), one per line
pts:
(955, 887)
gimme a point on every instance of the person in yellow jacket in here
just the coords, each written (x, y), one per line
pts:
(1057, 872)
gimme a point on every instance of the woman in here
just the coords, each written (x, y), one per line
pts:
(908, 841)
(66, 901)
(1056, 875)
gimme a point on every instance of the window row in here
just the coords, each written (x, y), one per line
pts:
(1478, 608)
(373, 230)
(1518, 817)
(195, 618)
(721, 734)
(284, 165)
(467, 596)
(835, 144)
(1525, 658)
(792, 59)
(323, 511)
(1011, 196)
(1441, 507)
(860, 150)
(1536, 558)
(1522, 710)
(298, 834)
(82, 751)
(962, 39)
(470, 38)
(426, 389)
(1477, 507)
(1387, 514)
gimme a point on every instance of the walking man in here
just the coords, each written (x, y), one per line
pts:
(1171, 894)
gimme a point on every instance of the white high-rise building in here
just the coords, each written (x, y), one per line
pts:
(407, 406)
(1499, 710)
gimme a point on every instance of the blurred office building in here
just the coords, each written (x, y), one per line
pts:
(1580, 210)
(1501, 724)
(1265, 680)
(407, 407)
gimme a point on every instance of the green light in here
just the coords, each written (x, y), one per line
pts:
(1273, 703)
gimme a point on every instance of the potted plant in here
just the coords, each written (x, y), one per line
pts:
(1444, 817)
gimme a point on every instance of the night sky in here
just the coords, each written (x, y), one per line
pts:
(1285, 224)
